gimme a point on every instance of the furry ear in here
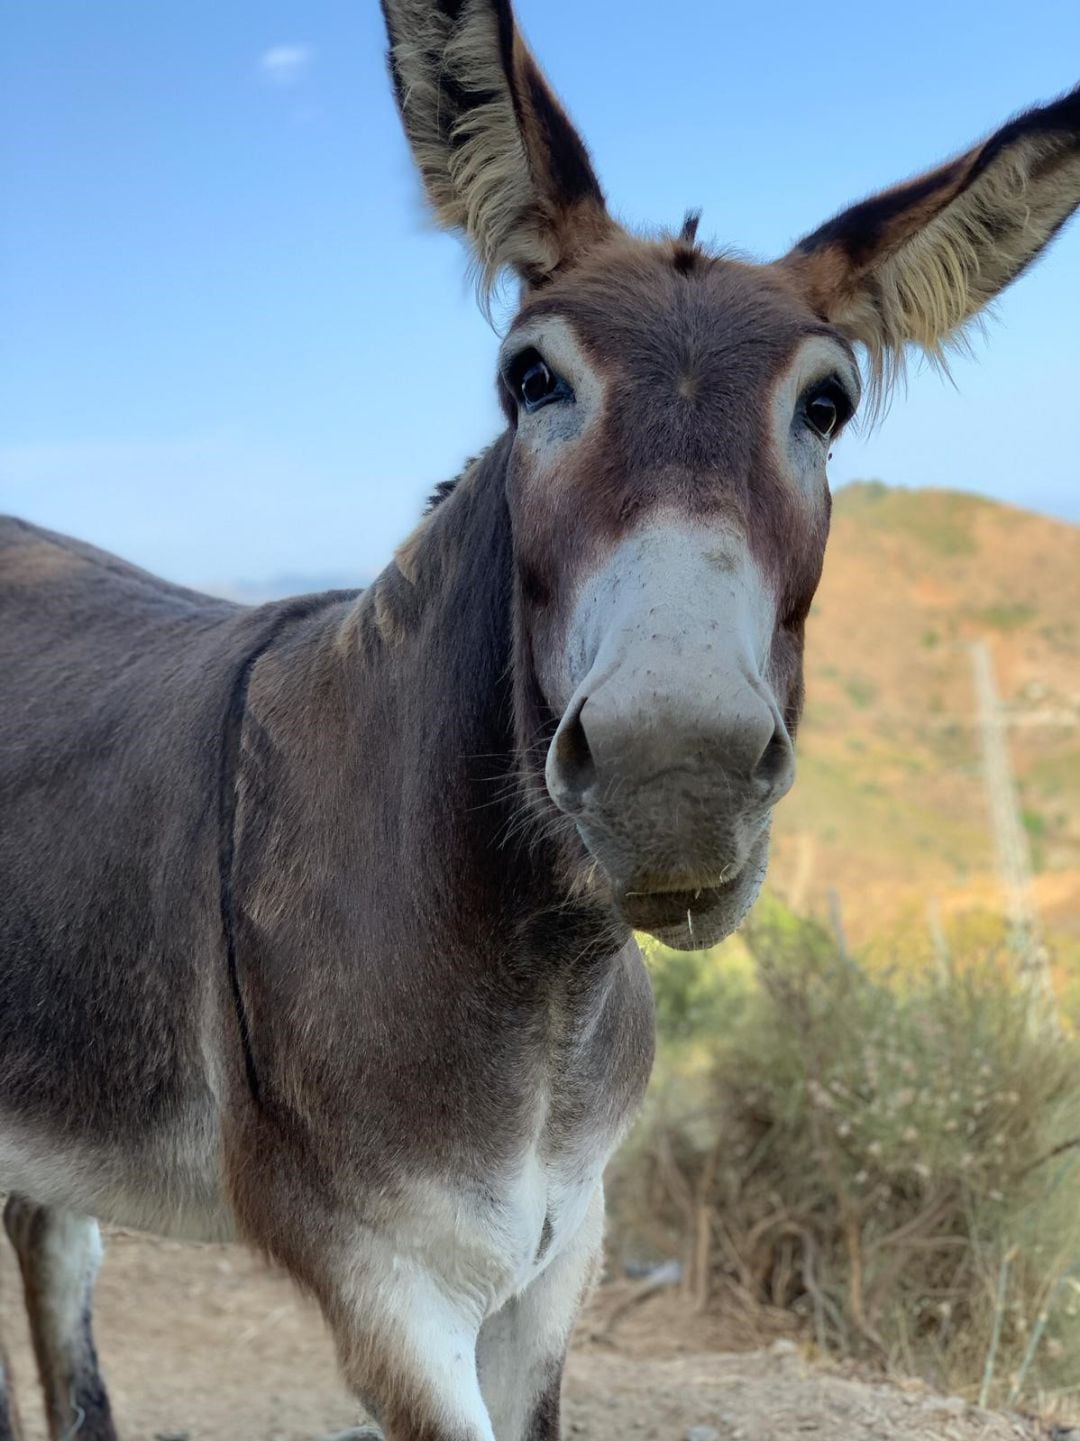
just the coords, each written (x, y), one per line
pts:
(498, 156)
(912, 265)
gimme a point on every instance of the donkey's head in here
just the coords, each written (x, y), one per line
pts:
(671, 413)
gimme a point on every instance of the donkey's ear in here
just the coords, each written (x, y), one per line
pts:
(912, 265)
(499, 158)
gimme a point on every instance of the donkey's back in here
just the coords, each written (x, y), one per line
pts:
(114, 753)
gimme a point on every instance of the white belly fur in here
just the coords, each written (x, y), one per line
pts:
(171, 1187)
(482, 1246)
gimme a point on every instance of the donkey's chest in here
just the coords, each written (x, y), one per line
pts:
(540, 1206)
(492, 1235)
(487, 1241)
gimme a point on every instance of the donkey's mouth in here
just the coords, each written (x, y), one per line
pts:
(691, 917)
(660, 909)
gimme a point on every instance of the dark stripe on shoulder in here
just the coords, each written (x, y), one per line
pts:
(232, 728)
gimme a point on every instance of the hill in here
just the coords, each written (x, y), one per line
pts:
(890, 806)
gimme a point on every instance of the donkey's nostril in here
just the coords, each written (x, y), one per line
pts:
(571, 769)
(775, 769)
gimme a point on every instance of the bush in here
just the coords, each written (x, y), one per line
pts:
(895, 1161)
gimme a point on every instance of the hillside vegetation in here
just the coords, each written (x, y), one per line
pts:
(890, 809)
(884, 1162)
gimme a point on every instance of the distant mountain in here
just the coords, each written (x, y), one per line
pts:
(276, 587)
(889, 808)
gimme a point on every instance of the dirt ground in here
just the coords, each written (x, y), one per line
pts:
(203, 1343)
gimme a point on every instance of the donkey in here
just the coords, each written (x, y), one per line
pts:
(316, 923)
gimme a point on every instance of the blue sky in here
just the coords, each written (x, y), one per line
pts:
(232, 347)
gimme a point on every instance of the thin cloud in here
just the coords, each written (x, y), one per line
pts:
(286, 65)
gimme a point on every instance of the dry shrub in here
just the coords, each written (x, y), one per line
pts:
(894, 1160)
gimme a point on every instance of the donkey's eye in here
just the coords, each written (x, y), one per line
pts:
(534, 383)
(827, 408)
(823, 414)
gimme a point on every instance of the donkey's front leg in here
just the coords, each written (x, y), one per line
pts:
(406, 1335)
(523, 1346)
(59, 1255)
(408, 1348)
(9, 1417)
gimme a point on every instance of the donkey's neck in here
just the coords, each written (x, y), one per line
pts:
(434, 640)
(379, 873)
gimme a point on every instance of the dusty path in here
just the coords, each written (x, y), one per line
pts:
(204, 1343)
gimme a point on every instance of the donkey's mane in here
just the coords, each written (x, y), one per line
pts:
(445, 488)
(443, 491)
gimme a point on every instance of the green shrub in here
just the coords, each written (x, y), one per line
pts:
(1007, 616)
(861, 690)
(895, 1161)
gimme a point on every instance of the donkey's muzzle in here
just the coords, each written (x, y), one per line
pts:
(672, 747)
(671, 787)
(742, 755)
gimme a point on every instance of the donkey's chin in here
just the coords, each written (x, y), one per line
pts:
(692, 919)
